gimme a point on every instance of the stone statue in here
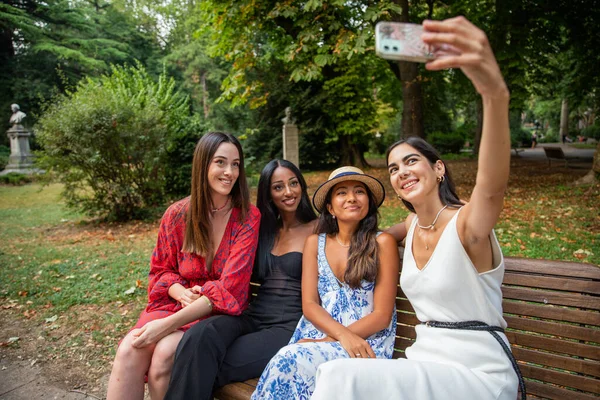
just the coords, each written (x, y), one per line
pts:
(288, 120)
(17, 116)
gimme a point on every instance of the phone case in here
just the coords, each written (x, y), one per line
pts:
(402, 42)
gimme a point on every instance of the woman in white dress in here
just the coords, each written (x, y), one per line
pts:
(453, 267)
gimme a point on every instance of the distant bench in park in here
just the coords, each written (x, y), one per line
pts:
(553, 313)
(556, 153)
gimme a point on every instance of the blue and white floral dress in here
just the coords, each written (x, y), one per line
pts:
(291, 372)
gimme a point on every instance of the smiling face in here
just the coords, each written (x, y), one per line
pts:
(349, 201)
(224, 169)
(285, 190)
(412, 176)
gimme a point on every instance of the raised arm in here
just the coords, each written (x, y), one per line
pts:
(472, 53)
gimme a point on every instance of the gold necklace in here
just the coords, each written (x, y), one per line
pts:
(340, 243)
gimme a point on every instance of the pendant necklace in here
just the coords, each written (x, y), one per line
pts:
(434, 220)
(429, 227)
(340, 243)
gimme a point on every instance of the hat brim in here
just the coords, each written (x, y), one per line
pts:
(374, 185)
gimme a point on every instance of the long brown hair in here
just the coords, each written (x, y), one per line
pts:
(363, 259)
(197, 238)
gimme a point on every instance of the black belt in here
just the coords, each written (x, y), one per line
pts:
(482, 326)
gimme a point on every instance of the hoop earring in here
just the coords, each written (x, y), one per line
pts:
(441, 179)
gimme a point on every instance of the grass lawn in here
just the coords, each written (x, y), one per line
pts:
(583, 145)
(72, 287)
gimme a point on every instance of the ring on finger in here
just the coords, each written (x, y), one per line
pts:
(357, 355)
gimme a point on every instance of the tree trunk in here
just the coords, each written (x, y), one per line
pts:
(412, 100)
(205, 96)
(351, 153)
(412, 96)
(593, 176)
(564, 120)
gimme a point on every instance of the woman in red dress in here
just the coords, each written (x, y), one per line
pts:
(201, 266)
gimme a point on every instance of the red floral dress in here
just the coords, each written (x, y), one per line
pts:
(226, 285)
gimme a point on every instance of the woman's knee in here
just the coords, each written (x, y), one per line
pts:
(130, 357)
(163, 357)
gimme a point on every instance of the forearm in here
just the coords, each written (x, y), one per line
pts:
(494, 149)
(370, 324)
(196, 310)
(175, 291)
(323, 321)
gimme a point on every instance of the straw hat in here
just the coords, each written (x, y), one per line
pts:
(348, 174)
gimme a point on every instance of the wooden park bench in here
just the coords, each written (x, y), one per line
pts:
(553, 313)
(556, 153)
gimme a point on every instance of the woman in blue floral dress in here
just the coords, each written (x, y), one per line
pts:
(349, 278)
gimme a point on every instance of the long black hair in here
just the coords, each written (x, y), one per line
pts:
(363, 258)
(270, 221)
(447, 189)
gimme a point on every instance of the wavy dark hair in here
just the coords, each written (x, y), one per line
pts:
(270, 220)
(447, 188)
(363, 261)
(197, 238)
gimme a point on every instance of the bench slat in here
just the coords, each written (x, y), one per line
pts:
(406, 331)
(550, 282)
(547, 391)
(552, 268)
(560, 378)
(402, 343)
(554, 345)
(557, 361)
(404, 305)
(237, 391)
(551, 312)
(550, 328)
(407, 319)
(551, 297)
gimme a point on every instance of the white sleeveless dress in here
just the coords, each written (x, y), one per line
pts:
(442, 363)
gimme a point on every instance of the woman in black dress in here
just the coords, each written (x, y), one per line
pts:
(224, 348)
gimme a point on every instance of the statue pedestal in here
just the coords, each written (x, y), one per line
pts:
(291, 150)
(20, 160)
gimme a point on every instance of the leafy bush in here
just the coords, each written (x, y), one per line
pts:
(592, 131)
(467, 131)
(15, 179)
(551, 136)
(446, 142)
(4, 155)
(519, 137)
(180, 154)
(107, 141)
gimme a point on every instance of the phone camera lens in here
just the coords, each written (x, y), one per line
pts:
(395, 48)
(386, 47)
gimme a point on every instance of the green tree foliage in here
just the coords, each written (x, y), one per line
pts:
(328, 44)
(45, 46)
(107, 141)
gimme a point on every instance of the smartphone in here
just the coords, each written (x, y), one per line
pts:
(402, 42)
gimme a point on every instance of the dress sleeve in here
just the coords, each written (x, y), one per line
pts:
(229, 294)
(164, 270)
